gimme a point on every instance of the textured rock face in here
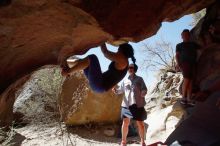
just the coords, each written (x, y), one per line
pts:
(33, 33)
(80, 105)
(198, 126)
(202, 127)
(31, 30)
(163, 121)
(207, 30)
(169, 83)
(136, 20)
(164, 110)
(36, 101)
(7, 102)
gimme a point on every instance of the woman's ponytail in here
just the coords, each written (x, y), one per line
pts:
(135, 65)
(128, 51)
(133, 59)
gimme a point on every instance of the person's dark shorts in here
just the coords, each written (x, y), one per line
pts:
(187, 70)
(134, 112)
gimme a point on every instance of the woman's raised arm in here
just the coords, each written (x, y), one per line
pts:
(108, 54)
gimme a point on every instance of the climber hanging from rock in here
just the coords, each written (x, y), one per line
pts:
(103, 81)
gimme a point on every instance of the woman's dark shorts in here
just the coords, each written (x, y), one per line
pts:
(134, 112)
(94, 74)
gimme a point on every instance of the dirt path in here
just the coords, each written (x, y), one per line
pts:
(54, 135)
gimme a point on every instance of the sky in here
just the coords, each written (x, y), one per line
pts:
(170, 31)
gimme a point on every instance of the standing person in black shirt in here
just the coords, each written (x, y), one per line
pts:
(186, 55)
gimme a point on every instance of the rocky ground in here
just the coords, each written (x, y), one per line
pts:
(54, 134)
(37, 118)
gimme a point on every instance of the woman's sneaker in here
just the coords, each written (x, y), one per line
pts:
(72, 61)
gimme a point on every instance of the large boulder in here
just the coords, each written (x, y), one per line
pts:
(165, 112)
(202, 127)
(81, 105)
(208, 26)
(33, 33)
(7, 102)
(37, 100)
(30, 30)
(133, 20)
(60, 28)
(163, 121)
